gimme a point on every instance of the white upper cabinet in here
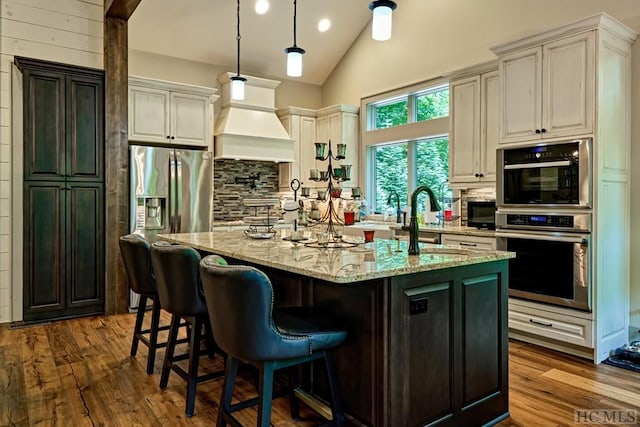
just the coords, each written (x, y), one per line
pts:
(340, 124)
(165, 112)
(473, 106)
(300, 123)
(548, 90)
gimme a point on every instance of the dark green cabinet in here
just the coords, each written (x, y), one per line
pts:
(63, 190)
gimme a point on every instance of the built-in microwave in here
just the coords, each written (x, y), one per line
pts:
(481, 214)
(550, 175)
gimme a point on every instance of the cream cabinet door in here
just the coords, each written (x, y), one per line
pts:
(464, 117)
(307, 148)
(149, 114)
(190, 119)
(489, 124)
(521, 91)
(568, 86)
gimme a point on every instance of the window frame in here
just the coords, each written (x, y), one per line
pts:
(409, 133)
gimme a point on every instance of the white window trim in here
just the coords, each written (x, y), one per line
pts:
(426, 129)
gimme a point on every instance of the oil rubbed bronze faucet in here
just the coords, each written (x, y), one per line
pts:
(414, 248)
(393, 193)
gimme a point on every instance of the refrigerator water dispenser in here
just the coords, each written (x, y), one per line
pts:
(150, 213)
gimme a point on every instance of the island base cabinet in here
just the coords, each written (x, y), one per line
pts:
(448, 347)
(426, 348)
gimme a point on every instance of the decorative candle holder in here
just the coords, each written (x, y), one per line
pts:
(320, 150)
(342, 150)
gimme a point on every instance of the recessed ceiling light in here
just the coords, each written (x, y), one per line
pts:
(324, 24)
(262, 6)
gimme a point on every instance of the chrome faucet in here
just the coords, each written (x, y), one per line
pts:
(393, 193)
(414, 248)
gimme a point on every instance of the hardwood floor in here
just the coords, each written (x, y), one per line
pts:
(78, 372)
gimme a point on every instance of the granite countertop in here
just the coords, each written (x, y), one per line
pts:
(381, 258)
(452, 229)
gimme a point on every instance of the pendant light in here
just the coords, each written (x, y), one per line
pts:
(294, 53)
(381, 26)
(237, 82)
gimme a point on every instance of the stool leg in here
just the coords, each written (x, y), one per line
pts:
(168, 354)
(231, 369)
(265, 392)
(212, 346)
(194, 356)
(293, 400)
(336, 402)
(138, 327)
(153, 337)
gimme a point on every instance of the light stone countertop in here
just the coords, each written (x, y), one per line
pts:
(452, 229)
(379, 259)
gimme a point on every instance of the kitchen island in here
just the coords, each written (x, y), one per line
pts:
(428, 333)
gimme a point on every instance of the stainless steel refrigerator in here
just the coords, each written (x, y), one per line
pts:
(170, 191)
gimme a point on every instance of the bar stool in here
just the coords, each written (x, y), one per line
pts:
(178, 279)
(240, 304)
(137, 263)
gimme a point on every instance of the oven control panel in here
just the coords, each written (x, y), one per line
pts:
(543, 221)
(563, 221)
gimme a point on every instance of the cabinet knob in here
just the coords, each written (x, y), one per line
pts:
(477, 175)
(537, 130)
(481, 175)
(543, 130)
(168, 137)
(173, 137)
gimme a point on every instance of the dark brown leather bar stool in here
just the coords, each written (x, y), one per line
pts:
(137, 263)
(240, 303)
(178, 277)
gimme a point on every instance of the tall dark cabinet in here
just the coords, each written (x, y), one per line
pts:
(63, 190)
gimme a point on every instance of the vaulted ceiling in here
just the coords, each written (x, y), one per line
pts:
(205, 31)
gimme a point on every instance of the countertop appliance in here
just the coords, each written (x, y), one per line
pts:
(170, 191)
(481, 213)
(553, 256)
(545, 175)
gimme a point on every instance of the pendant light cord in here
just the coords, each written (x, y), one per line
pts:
(238, 37)
(295, 3)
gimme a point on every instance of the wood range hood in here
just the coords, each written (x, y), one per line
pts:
(250, 129)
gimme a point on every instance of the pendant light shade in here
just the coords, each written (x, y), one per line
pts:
(294, 53)
(237, 82)
(294, 61)
(381, 25)
(237, 88)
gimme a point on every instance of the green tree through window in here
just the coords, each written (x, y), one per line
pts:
(431, 160)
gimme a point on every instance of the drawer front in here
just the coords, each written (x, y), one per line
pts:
(469, 242)
(556, 326)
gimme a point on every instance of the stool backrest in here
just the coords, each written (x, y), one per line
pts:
(178, 278)
(240, 302)
(137, 263)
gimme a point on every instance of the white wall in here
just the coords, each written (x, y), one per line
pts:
(145, 64)
(433, 37)
(68, 31)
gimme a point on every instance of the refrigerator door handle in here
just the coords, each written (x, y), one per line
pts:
(177, 182)
(172, 190)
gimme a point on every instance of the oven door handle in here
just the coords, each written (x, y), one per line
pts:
(538, 165)
(552, 237)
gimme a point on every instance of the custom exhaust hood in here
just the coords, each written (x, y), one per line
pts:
(250, 129)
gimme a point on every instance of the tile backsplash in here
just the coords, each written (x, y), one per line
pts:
(256, 180)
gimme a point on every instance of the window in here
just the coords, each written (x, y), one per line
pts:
(405, 135)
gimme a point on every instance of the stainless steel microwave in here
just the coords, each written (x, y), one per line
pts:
(481, 214)
(549, 175)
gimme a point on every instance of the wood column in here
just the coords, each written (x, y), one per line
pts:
(117, 13)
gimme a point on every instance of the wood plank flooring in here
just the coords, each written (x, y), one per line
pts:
(78, 373)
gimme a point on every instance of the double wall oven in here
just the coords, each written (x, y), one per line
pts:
(544, 215)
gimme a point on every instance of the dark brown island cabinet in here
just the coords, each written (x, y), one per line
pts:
(63, 169)
(425, 349)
